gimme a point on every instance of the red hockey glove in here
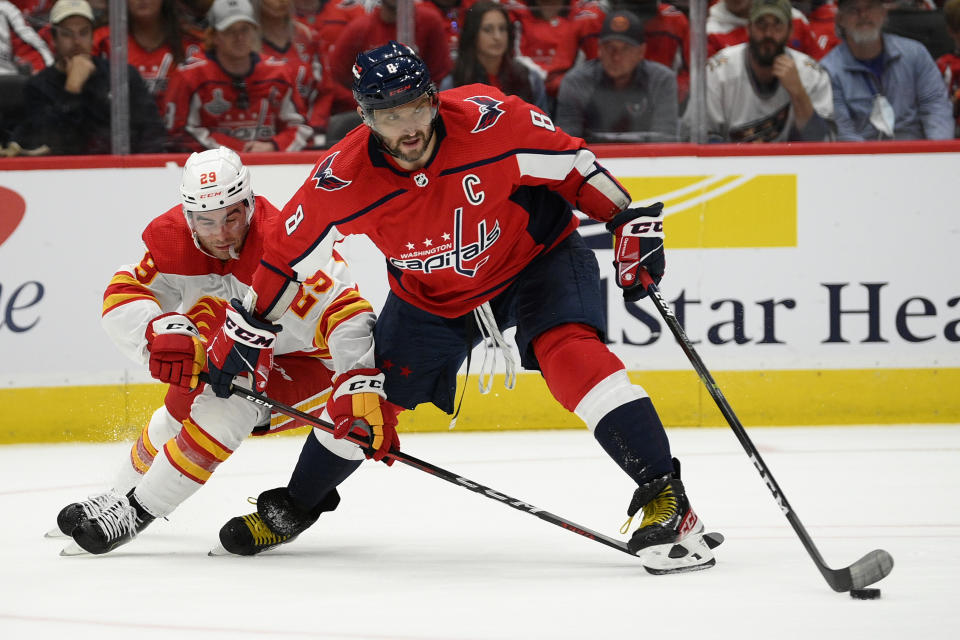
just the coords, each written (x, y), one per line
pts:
(358, 406)
(176, 354)
(637, 243)
(244, 344)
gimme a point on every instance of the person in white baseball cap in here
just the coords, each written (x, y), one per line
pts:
(224, 13)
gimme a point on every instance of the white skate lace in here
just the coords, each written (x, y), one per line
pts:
(93, 505)
(493, 341)
(118, 519)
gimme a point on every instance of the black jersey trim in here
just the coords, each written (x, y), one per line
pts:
(349, 218)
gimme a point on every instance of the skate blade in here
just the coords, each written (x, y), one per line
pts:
(55, 533)
(73, 549)
(219, 550)
(695, 553)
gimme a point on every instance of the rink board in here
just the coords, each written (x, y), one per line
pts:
(817, 289)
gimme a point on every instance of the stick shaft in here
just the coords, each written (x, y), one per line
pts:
(436, 471)
(838, 580)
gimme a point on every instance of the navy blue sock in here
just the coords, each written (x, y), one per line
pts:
(317, 473)
(633, 436)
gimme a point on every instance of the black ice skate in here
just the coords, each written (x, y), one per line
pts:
(277, 520)
(76, 512)
(118, 523)
(671, 537)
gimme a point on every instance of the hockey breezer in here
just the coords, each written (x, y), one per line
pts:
(712, 540)
(869, 569)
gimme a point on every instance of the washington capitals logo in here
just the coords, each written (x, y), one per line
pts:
(490, 112)
(324, 175)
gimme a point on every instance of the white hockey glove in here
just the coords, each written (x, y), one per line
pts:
(637, 243)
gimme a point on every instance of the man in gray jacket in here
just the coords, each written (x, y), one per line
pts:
(619, 97)
(884, 86)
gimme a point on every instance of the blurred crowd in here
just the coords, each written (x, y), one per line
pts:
(275, 75)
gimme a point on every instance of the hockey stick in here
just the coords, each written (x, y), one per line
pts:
(711, 539)
(872, 567)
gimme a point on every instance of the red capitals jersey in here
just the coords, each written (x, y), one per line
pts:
(553, 44)
(725, 29)
(457, 232)
(207, 107)
(326, 26)
(302, 56)
(156, 66)
(949, 65)
(668, 42)
(823, 26)
(371, 31)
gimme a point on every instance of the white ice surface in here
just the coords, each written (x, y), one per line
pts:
(410, 557)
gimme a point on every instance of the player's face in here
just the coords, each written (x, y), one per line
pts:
(862, 20)
(492, 37)
(73, 36)
(619, 59)
(406, 130)
(236, 41)
(221, 230)
(144, 9)
(768, 39)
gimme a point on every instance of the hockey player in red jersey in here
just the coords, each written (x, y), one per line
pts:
(469, 195)
(233, 97)
(161, 311)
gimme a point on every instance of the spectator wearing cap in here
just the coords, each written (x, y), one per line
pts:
(727, 25)
(233, 97)
(68, 103)
(884, 86)
(619, 96)
(764, 91)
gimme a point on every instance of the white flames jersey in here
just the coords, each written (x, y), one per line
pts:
(738, 112)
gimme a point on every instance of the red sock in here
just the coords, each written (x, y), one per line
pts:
(573, 361)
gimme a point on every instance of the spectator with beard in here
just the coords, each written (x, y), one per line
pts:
(763, 91)
(884, 86)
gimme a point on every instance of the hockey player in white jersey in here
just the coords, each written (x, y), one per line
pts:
(764, 91)
(160, 312)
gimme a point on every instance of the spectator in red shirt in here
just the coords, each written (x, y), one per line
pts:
(552, 32)
(156, 44)
(822, 18)
(20, 46)
(233, 97)
(326, 20)
(291, 42)
(380, 26)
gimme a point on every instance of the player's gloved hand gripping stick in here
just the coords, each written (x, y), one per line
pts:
(869, 569)
(244, 344)
(712, 539)
(637, 244)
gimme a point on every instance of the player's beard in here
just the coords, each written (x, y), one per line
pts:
(766, 50)
(396, 150)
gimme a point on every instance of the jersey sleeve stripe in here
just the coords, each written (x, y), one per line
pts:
(532, 153)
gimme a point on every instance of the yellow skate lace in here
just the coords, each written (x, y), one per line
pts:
(657, 511)
(262, 534)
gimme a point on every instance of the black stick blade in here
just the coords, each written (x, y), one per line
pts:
(871, 568)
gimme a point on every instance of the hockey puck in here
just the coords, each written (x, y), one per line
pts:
(865, 594)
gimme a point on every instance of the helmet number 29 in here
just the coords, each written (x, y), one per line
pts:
(294, 221)
(208, 178)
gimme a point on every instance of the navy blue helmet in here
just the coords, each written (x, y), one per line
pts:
(389, 76)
